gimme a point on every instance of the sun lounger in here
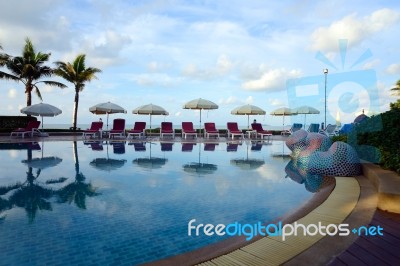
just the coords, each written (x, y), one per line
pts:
(260, 131)
(294, 128)
(139, 146)
(188, 130)
(330, 130)
(118, 128)
(231, 147)
(94, 129)
(138, 130)
(30, 129)
(233, 130)
(118, 147)
(313, 128)
(210, 130)
(167, 129)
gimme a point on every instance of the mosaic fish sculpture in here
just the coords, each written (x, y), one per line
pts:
(316, 154)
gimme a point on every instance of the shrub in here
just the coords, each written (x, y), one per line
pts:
(383, 132)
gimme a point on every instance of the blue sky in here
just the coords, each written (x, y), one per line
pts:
(229, 52)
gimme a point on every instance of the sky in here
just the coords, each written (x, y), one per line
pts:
(266, 53)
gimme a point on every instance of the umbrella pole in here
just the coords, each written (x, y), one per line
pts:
(304, 121)
(150, 128)
(42, 123)
(107, 120)
(248, 123)
(200, 124)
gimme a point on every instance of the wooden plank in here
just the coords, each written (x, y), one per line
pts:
(364, 255)
(349, 259)
(380, 253)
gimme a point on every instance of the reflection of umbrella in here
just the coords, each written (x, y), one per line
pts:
(283, 111)
(248, 110)
(42, 163)
(41, 109)
(306, 110)
(200, 104)
(106, 108)
(150, 109)
(107, 164)
(198, 167)
(150, 162)
(246, 163)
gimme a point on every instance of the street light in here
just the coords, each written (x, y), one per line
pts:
(326, 74)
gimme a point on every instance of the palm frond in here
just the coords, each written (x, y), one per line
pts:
(37, 91)
(53, 83)
(6, 76)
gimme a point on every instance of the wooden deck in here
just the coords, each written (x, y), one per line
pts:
(375, 250)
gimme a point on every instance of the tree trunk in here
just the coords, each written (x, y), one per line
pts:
(28, 92)
(75, 109)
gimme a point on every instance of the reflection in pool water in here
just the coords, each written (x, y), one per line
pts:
(129, 203)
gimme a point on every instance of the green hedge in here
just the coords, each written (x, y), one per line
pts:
(9, 123)
(383, 132)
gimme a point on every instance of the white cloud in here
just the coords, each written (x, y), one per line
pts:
(393, 69)
(249, 100)
(272, 80)
(352, 28)
(12, 93)
(229, 101)
(154, 79)
(275, 102)
(155, 66)
(178, 113)
(371, 64)
(221, 68)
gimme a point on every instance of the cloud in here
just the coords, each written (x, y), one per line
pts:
(393, 69)
(155, 66)
(275, 102)
(271, 80)
(229, 101)
(221, 68)
(371, 64)
(154, 79)
(12, 93)
(249, 100)
(352, 28)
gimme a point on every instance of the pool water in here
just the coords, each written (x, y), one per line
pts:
(69, 203)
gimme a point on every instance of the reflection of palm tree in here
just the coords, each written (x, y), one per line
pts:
(31, 196)
(78, 190)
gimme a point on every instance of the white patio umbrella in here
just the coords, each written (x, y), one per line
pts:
(150, 109)
(107, 108)
(248, 110)
(306, 110)
(283, 111)
(41, 109)
(200, 104)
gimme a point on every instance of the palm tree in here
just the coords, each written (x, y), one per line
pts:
(30, 69)
(77, 74)
(3, 58)
(396, 88)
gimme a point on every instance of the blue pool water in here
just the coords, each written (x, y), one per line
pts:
(69, 203)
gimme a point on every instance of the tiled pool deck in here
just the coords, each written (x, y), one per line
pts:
(353, 201)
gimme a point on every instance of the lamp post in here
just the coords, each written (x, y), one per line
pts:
(326, 75)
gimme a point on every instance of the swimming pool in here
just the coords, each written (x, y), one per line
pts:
(71, 203)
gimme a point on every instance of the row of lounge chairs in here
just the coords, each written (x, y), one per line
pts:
(166, 129)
